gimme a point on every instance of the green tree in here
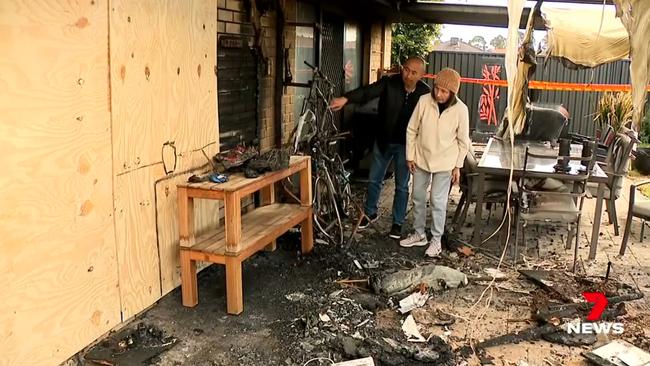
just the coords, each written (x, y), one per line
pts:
(412, 40)
(479, 42)
(498, 42)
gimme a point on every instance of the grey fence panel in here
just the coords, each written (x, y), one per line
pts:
(581, 105)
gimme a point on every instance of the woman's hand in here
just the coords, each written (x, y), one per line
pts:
(410, 164)
(455, 176)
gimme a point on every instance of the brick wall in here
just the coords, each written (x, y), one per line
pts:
(267, 97)
(388, 37)
(234, 19)
(380, 44)
(376, 51)
(288, 119)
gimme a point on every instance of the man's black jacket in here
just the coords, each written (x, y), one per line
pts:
(392, 97)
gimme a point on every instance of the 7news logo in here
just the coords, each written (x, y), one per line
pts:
(593, 325)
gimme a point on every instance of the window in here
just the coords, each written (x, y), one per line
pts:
(305, 13)
(352, 56)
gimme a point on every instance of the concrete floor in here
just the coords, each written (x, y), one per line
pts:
(268, 332)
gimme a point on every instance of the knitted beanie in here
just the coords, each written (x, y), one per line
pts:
(449, 79)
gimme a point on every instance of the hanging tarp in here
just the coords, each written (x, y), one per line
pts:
(515, 9)
(635, 16)
(520, 65)
(588, 37)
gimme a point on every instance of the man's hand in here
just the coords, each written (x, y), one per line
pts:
(455, 176)
(411, 165)
(337, 103)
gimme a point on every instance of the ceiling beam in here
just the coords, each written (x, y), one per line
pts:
(411, 11)
(479, 15)
(595, 2)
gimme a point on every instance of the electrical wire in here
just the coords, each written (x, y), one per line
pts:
(507, 216)
(319, 359)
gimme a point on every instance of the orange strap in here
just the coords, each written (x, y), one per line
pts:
(551, 85)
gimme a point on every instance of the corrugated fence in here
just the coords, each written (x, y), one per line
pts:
(487, 104)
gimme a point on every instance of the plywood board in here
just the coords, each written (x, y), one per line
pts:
(58, 267)
(163, 56)
(191, 57)
(147, 230)
(138, 37)
(135, 233)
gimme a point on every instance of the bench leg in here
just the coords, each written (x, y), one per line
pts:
(271, 247)
(307, 234)
(188, 280)
(234, 292)
(267, 195)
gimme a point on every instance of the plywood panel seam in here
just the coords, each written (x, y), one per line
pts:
(110, 120)
(161, 162)
(138, 168)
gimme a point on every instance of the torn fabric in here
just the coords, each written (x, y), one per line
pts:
(515, 9)
(635, 16)
(579, 36)
(526, 64)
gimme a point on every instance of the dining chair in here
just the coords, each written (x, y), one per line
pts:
(563, 206)
(616, 167)
(640, 209)
(495, 189)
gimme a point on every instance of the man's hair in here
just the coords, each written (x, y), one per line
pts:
(417, 59)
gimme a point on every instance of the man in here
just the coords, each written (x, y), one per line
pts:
(398, 95)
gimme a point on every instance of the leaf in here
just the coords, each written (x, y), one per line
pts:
(466, 251)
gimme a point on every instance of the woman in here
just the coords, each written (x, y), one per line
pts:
(437, 140)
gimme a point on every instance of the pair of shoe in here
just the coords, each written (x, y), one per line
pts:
(395, 231)
(417, 240)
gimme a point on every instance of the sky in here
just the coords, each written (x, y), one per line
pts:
(468, 32)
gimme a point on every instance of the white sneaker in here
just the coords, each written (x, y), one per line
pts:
(434, 250)
(413, 240)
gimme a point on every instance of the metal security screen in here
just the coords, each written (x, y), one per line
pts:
(237, 87)
(332, 51)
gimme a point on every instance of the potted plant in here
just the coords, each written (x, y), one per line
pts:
(614, 109)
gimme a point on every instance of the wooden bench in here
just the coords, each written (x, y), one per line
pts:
(242, 235)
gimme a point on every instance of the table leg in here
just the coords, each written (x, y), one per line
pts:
(595, 231)
(305, 185)
(185, 218)
(307, 234)
(189, 289)
(234, 290)
(267, 198)
(573, 228)
(307, 226)
(233, 222)
(476, 237)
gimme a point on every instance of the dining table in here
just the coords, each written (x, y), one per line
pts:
(500, 157)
